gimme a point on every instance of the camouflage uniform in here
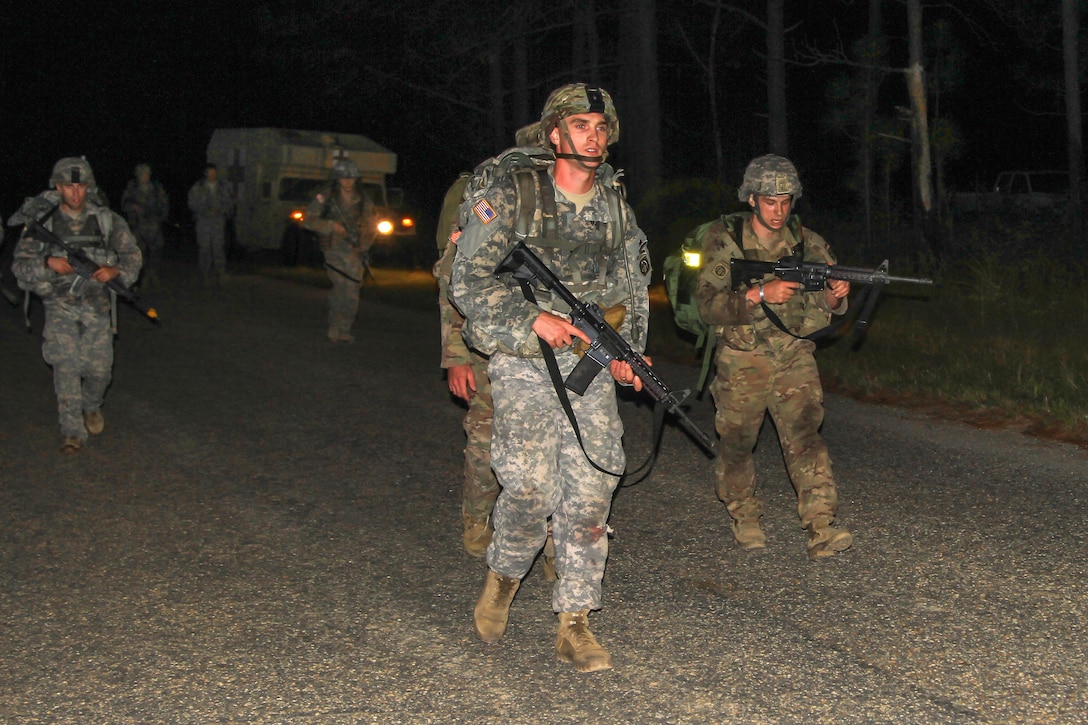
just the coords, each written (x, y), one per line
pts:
(536, 457)
(147, 206)
(343, 250)
(77, 339)
(212, 205)
(480, 488)
(761, 368)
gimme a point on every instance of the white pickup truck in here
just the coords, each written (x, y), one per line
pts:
(1018, 191)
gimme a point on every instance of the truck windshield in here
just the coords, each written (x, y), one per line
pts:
(303, 190)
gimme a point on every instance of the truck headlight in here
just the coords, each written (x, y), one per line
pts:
(385, 227)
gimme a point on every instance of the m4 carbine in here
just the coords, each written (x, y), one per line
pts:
(813, 276)
(85, 267)
(606, 344)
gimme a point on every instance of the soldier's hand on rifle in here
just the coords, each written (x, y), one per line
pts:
(59, 265)
(105, 274)
(777, 291)
(624, 375)
(462, 381)
(556, 331)
(835, 291)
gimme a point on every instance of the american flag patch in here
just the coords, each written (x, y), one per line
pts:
(485, 212)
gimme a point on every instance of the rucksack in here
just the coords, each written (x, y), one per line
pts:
(525, 163)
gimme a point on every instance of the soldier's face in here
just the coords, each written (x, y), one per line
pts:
(347, 185)
(588, 134)
(144, 177)
(211, 174)
(772, 211)
(72, 196)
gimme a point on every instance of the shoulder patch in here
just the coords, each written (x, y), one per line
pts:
(721, 271)
(484, 211)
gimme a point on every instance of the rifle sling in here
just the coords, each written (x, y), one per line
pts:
(564, 400)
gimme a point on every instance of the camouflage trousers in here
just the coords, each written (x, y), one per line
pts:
(785, 382)
(78, 344)
(151, 240)
(480, 489)
(344, 295)
(544, 472)
(211, 242)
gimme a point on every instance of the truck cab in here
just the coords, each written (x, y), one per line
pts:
(274, 173)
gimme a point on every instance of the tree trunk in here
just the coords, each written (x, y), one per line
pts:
(640, 121)
(920, 155)
(777, 125)
(495, 91)
(1074, 129)
(872, 85)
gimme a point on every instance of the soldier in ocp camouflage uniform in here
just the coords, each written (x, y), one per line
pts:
(466, 373)
(760, 367)
(147, 205)
(542, 468)
(344, 220)
(77, 339)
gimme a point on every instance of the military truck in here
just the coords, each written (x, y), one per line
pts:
(1019, 191)
(275, 172)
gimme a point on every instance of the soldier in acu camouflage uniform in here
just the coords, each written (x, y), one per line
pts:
(78, 339)
(538, 460)
(212, 205)
(344, 219)
(147, 205)
(760, 367)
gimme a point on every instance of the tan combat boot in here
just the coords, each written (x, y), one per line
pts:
(477, 536)
(71, 445)
(577, 644)
(493, 607)
(93, 421)
(825, 540)
(749, 534)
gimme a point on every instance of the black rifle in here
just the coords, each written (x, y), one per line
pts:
(353, 235)
(606, 344)
(85, 267)
(812, 275)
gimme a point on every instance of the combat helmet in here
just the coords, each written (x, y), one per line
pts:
(770, 175)
(345, 169)
(72, 170)
(578, 98)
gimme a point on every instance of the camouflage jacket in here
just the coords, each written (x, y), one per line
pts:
(210, 201)
(102, 234)
(359, 217)
(746, 328)
(455, 351)
(591, 264)
(145, 204)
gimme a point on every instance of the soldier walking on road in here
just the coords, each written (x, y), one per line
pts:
(761, 367)
(543, 468)
(147, 205)
(466, 374)
(78, 337)
(212, 206)
(344, 219)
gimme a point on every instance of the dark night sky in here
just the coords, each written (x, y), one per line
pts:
(126, 82)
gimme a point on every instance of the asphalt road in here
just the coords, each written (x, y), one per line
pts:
(268, 532)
